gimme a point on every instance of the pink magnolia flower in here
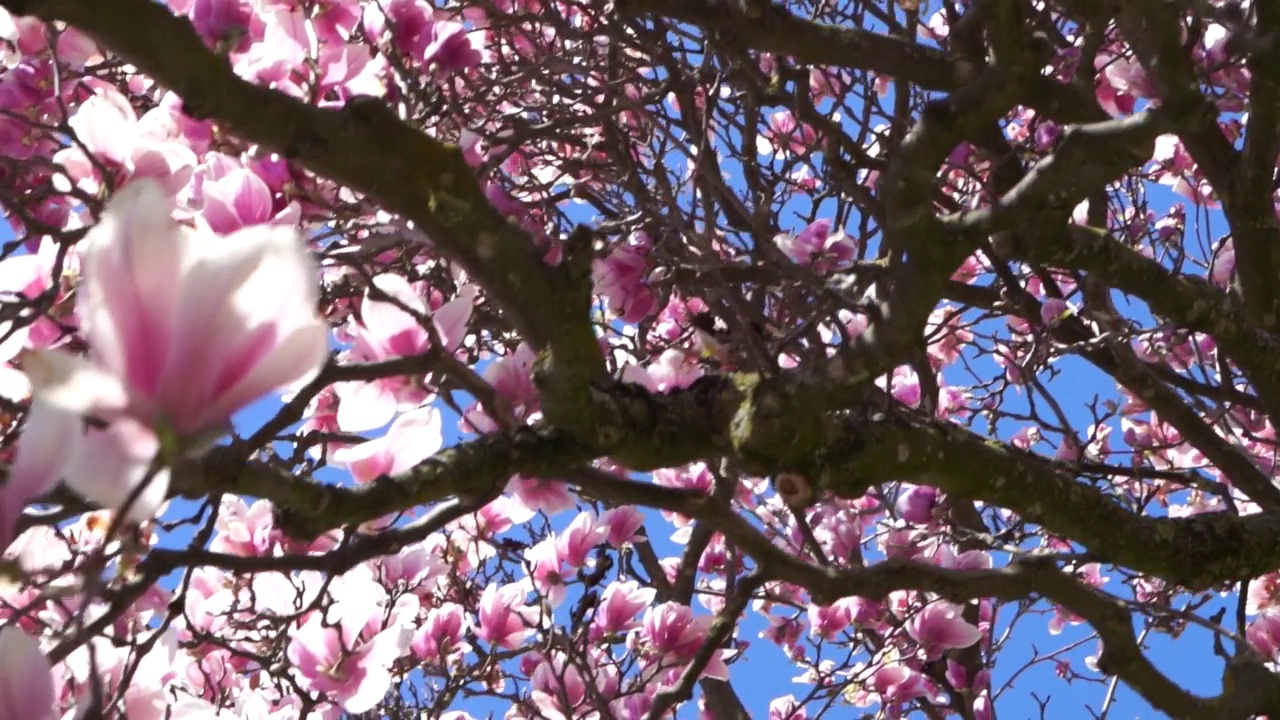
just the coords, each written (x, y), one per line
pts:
(841, 534)
(897, 684)
(349, 655)
(440, 637)
(828, 82)
(1090, 574)
(218, 21)
(673, 369)
(412, 438)
(186, 329)
(622, 278)
(241, 198)
(233, 318)
(672, 633)
(939, 627)
(409, 21)
(916, 503)
(1054, 311)
(449, 49)
(111, 132)
(28, 276)
(504, 617)
(582, 536)
(787, 708)
(623, 525)
(247, 530)
(332, 661)
(828, 621)
(512, 378)
(817, 246)
(550, 496)
(546, 570)
(443, 47)
(1263, 635)
(967, 560)
(785, 135)
(414, 568)
(619, 605)
(558, 690)
(388, 331)
(26, 685)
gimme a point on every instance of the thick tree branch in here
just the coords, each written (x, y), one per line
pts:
(777, 31)
(1089, 156)
(1196, 552)
(851, 455)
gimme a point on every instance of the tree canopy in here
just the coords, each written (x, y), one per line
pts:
(599, 331)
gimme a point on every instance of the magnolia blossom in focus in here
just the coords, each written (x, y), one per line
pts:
(185, 328)
(940, 626)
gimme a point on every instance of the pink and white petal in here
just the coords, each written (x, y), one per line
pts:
(389, 645)
(105, 124)
(14, 385)
(365, 461)
(451, 319)
(958, 634)
(296, 357)
(215, 312)
(49, 438)
(364, 406)
(369, 690)
(26, 680)
(398, 287)
(110, 465)
(716, 667)
(415, 436)
(73, 384)
(383, 321)
(169, 163)
(248, 324)
(14, 340)
(134, 263)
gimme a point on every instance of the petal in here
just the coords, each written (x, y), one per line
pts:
(365, 461)
(383, 321)
(133, 263)
(416, 436)
(369, 691)
(958, 634)
(26, 682)
(367, 406)
(716, 667)
(110, 464)
(247, 325)
(73, 384)
(14, 340)
(451, 319)
(295, 358)
(49, 437)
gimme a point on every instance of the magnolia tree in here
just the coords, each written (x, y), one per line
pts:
(625, 359)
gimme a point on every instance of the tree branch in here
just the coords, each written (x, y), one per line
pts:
(777, 31)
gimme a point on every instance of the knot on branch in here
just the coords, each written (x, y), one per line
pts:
(771, 428)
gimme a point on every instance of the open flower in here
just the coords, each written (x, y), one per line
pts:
(940, 626)
(186, 328)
